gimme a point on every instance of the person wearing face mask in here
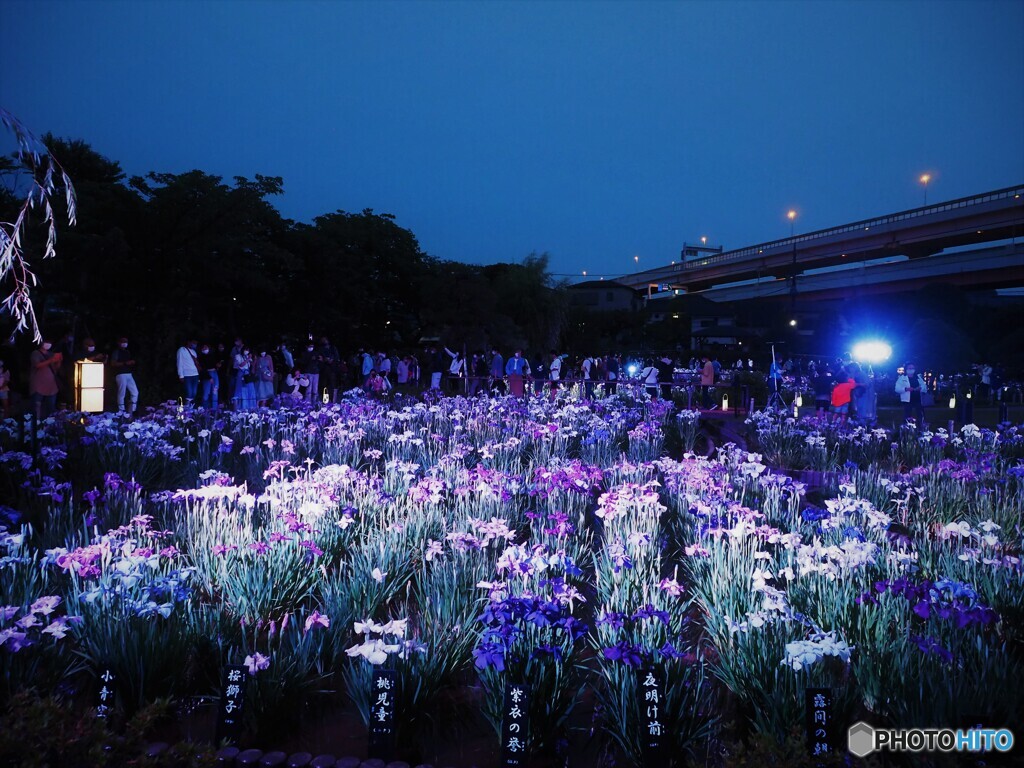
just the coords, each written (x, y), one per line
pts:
(42, 379)
(264, 379)
(311, 367)
(123, 362)
(188, 371)
(910, 385)
(209, 378)
(88, 352)
(244, 396)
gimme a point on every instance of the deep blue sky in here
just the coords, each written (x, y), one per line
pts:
(593, 131)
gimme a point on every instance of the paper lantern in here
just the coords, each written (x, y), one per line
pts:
(89, 386)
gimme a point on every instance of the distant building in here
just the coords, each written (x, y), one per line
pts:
(603, 296)
(694, 252)
(708, 323)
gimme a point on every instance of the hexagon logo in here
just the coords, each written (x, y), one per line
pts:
(860, 739)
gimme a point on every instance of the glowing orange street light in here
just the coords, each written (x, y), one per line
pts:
(925, 178)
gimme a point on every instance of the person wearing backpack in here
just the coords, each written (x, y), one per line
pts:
(649, 377)
(587, 369)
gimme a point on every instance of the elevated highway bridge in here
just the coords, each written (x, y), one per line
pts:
(918, 234)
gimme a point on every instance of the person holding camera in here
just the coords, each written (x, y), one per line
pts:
(244, 395)
(296, 384)
(42, 379)
(911, 386)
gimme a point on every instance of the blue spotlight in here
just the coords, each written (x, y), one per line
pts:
(872, 352)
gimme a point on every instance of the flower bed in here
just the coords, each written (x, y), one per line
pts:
(468, 544)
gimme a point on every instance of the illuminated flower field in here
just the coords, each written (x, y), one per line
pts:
(472, 543)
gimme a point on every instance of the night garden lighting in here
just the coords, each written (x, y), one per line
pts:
(873, 352)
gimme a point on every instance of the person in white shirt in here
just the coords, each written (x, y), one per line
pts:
(188, 370)
(649, 376)
(555, 372)
(458, 364)
(986, 381)
(456, 370)
(295, 385)
(910, 386)
(588, 383)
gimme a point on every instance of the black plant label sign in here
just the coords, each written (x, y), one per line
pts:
(515, 726)
(232, 701)
(382, 714)
(820, 730)
(105, 690)
(651, 690)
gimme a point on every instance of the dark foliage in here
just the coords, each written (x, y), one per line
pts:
(167, 256)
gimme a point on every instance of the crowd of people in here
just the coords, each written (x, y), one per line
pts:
(243, 376)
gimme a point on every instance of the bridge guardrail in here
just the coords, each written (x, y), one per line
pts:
(754, 250)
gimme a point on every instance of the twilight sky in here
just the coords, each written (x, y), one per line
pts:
(594, 131)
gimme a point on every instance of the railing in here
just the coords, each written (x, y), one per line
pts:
(866, 224)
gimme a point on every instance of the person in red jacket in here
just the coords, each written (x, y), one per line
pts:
(842, 393)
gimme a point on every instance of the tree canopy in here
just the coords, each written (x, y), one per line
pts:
(171, 255)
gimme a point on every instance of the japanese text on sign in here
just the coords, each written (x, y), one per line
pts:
(651, 691)
(819, 722)
(515, 726)
(382, 714)
(229, 719)
(105, 693)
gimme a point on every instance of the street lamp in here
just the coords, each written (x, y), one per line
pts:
(925, 178)
(791, 215)
(636, 260)
(703, 240)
